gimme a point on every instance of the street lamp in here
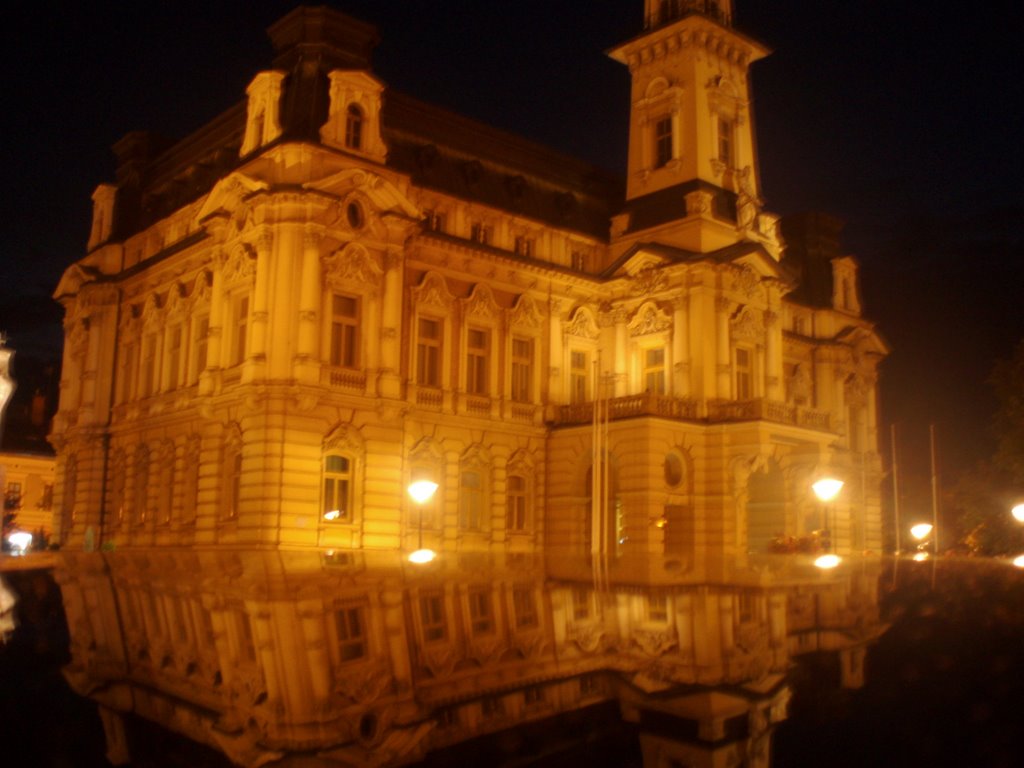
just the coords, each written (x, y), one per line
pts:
(422, 491)
(1018, 512)
(826, 489)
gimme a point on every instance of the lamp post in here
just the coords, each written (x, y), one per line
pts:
(826, 489)
(422, 491)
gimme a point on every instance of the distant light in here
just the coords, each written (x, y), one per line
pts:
(921, 557)
(921, 530)
(827, 488)
(421, 556)
(825, 562)
(422, 491)
(1018, 512)
(1019, 561)
(19, 541)
(334, 514)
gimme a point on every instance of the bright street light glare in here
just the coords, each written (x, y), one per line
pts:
(422, 491)
(1019, 561)
(421, 556)
(827, 488)
(826, 562)
(921, 530)
(1018, 513)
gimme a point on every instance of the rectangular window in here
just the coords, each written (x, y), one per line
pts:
(350, 626)
(12, 498)
(725, 142)
(241, 330)
(492, 706)
(578, 261)
(344, 331)
(481, 611)
(657, 608)
(428, 353)
(654, 370)
(199, 343)
(173, 357)
(246, 643)
(522, 370)
(128, 369)
(471, 500)
(580, 604)
(525, 607)
(533, 696)
(480, 233)
(337, 489)
(233, 484)
(149, 365)
(434, 221)
(744, 378)
(578, 368)
(662, 141)
(432, 617)
(478, 344)
(524, 246)
(516, 504)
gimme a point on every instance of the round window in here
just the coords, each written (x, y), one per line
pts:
(673, 469)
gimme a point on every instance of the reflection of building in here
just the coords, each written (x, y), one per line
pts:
(333, 288)
(360, 657)
(28, 490)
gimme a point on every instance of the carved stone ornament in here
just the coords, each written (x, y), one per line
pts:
(649, 318)
(440, 661)
(589, 637)
(525, 313)
(649, 280)
(433, 292)
(855, 391)
(746, 280)
(745, 326)
(528, 645)
(486, 651)
(240, 265)
(654, 642)
(351, 266)
(698, 202)
(583, 325)
(798, 386)
(481, 304)
(363, 684)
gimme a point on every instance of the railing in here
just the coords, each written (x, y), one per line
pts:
(346, 378)
(688, 409)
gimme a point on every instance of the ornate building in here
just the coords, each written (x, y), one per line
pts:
(334, 289)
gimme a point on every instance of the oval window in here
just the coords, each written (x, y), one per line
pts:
(355, 215)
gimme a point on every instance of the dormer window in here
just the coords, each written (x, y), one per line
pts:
(354, 127)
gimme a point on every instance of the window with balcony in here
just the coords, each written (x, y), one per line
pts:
(653, 373)
(744, 374)
(344, 339)
(428, 352)
(240, 322)
(478, 342)
(579, 369)
(522, 370)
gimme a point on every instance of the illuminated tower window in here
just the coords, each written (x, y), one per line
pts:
(662, 141)
(354, 127)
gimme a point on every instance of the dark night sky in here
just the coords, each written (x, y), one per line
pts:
(904, 120)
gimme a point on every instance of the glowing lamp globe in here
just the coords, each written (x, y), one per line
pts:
(827, 488)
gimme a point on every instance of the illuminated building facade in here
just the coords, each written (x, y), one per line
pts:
(333, 289)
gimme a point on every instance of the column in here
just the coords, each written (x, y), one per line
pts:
(773, 356)
(307, 358)
(389, 362)
(722, 358)
(681, 347)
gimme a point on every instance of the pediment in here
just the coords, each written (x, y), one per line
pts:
(384, 195)
(228, 193)
(73, 279)
(639, 262)
(866, 341)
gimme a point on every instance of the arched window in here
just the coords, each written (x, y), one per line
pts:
(336, 503)
(471, 500)
(517, 511)
(354, 127)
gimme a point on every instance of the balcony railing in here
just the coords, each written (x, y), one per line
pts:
(688, 409)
